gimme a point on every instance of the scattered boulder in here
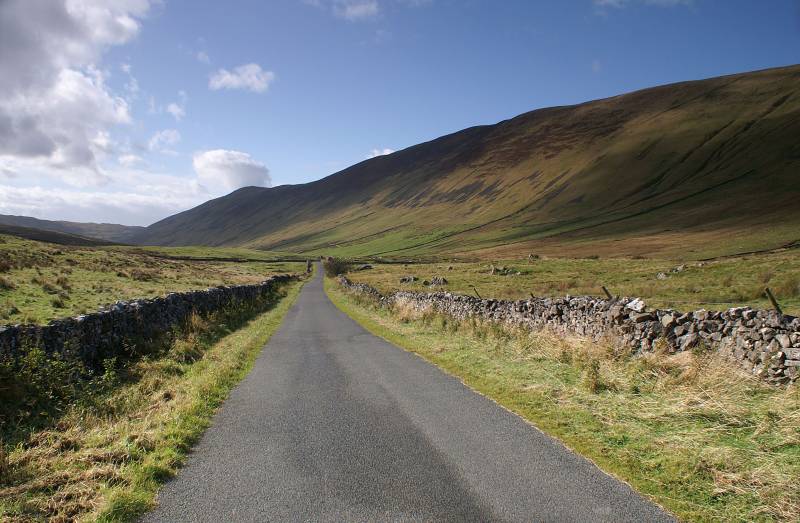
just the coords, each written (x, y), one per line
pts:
(679, 268)
(438, 280)
(501, 270)
(408, 279)
(661, 276)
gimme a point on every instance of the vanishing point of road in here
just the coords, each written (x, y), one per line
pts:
(335, 424)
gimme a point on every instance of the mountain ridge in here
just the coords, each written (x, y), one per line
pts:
(702, 159)
(109, 232)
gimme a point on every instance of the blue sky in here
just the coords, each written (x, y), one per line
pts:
(164, 104)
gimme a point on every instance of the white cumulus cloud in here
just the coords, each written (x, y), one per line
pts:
(54, 102)
(249, 77)
(229, 169)
(379, 152)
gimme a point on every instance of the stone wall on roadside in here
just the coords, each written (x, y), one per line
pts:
(126, 327)
(762, 341)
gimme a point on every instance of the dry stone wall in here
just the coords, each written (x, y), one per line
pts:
(762, 341)
(124, 327)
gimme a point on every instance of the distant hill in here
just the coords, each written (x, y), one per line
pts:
(60, 238)
(691, 169)
(110, 232)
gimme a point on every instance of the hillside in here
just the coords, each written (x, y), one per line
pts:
(109, 232)
(694, 169)
(42, 235)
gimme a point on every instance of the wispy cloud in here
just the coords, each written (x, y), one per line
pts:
(356, 9)
(622, 3)
(359, 10)
(248, 77)
(163, 140)
(178, 109)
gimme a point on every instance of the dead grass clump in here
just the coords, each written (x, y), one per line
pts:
(63, 282)
(6, 284)
(788, 287)
(59, 302)
(764, 276)
(591, 377)
(407, 311)
(142, 275)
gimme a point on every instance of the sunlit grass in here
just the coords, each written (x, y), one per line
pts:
(713, 285)
(40, 282)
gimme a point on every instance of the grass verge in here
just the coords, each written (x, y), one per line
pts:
(105, 457)
(687, 430)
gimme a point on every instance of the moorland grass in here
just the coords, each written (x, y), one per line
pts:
(104, 455)
(40, 281)
(713, 285)
(691, 432)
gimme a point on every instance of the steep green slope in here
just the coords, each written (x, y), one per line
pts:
(691, 169)
(102, 231)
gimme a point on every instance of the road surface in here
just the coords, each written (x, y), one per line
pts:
(335, 424)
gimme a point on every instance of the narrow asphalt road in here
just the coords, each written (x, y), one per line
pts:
(334, 424)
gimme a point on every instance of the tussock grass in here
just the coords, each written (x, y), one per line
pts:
(712, 285)
(690, 431)
(102, 455)
(45, 282)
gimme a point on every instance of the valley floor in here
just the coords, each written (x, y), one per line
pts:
(713, 285)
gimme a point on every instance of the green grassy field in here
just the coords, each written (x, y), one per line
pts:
(713, 285)
(43, 281)
(692, 433)
(103, 456)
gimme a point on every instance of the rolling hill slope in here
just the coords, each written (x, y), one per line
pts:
(692, 169)
(47, 236)
(109, 232)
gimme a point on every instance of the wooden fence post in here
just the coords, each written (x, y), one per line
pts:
(773, 300)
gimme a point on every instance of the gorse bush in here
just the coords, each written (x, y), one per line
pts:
(336, 266)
